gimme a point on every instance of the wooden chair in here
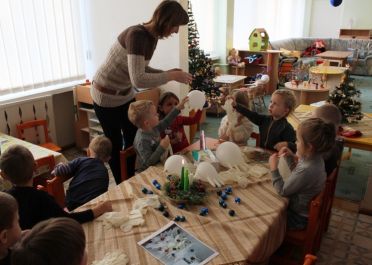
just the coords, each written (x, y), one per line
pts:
(256, 136)
(56, 189)
(304, 239)
(35, 124)
(43, 169)
(124, 156)
(310, 259)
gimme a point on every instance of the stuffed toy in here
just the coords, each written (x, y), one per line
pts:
(317, 47)
(234, 58)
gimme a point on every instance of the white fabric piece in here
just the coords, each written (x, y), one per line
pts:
(113, 258)
(283, 168)
(148, 201)
(258, 171)
(207, 173)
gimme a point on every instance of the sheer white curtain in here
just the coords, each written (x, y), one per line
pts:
(281, 19)
(204, 14)
(40, 44)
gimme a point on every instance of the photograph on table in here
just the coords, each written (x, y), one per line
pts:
(174, 245)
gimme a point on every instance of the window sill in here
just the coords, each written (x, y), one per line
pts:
(15, 98)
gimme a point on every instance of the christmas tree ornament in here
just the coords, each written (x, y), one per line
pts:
(336, 3)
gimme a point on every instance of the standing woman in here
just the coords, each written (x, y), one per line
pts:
(126, 68)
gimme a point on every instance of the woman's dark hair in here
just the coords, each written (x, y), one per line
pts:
(56, 241)
(168, 14)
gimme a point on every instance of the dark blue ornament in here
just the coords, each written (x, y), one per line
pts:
(231, 212)
(237, 200)
(336, 2)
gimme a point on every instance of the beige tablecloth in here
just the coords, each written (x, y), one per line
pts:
(252, 235)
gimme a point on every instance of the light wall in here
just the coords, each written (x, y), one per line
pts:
(326, 20)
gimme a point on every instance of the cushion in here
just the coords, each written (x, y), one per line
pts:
(288, 53)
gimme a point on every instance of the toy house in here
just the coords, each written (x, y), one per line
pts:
(258, 40)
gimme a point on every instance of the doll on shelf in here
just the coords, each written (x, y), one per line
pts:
(234, 58)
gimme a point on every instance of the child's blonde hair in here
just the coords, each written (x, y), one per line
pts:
(102, 147)
(329, 113)
(8, 210)
(321, 135)
(56, 241)
(138, 111)
(289, 99)
(17, 163)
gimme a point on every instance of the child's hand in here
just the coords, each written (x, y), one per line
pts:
(274, 161)
(285, 151)
(280, 145)
(102, 208)
(182, 103)
(165, 142)
(233, 103)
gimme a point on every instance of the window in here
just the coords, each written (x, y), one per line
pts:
(205, 14)
(280, 18)
(40, 44)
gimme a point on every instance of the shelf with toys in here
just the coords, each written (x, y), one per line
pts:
(251, 63)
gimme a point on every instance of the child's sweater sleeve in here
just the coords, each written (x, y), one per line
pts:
(147, 156)
(292, 185)
(66, 170)
(184, 120)
(251, 115)
(167, 121)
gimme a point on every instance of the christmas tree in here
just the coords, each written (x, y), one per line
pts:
(347, 98)
(200, 66)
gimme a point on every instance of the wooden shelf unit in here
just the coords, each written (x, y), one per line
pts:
(356, 34)
(269, 66)
(87, 125)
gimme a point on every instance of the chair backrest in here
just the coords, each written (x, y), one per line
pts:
(314, 222)
(56, 189)
(256, 136)
(310, 259)
(124, 155)
(32, 124)
(44, 167)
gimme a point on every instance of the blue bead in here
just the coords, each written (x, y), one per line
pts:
(177, 218)
(154, 181)
(231, 212)
(144, 190)
(150, 192)
(181, 206)
(158, 186)
(237, 200)
(182, 218)
(223, 195)
(228, 190)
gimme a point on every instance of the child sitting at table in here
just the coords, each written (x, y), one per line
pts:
(331, 114)
(90, 175)
(10, 232)
(314, 138)
(17, 165)
(57, 241)
(234, 126)
(147, 142)
(175, 131)
(275, 131)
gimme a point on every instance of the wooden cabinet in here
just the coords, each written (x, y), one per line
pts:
(356, 34)
(87, 124)
(268, 65)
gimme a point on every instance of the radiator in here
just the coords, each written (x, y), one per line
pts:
(57, 109)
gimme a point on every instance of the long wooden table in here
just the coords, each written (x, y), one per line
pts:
(365, 126)
(251, 236)
(36, 150)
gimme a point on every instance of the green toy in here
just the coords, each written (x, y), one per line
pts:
(258, 40)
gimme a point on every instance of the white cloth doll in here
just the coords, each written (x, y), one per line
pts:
(235, 127)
